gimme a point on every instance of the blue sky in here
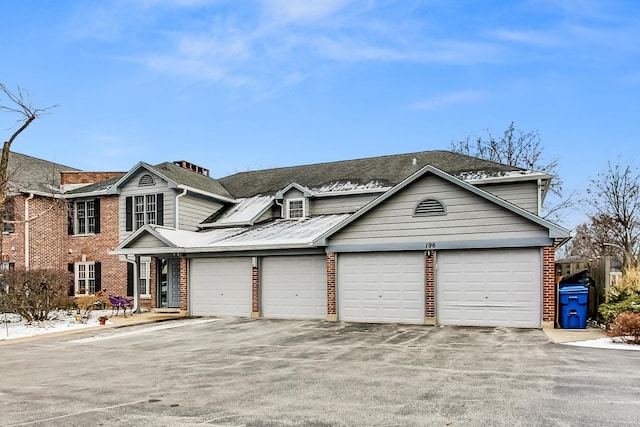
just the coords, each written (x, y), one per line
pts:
(236, 85)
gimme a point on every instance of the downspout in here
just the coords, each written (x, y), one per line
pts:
(539, 196)
(26, 231)
(281, 208)
(184, 191)
(136, 285)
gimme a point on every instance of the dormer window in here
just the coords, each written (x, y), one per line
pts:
(430, 207)
(295, 208)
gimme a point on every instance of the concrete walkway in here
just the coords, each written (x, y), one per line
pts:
(560, 336)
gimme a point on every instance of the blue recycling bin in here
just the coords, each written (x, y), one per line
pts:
(573, 307)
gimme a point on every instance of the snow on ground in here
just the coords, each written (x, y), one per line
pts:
(604, 343)
(12, 326)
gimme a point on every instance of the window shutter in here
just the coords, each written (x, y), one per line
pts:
(70, 218)
(72, 282)
(129, 279)
(96, 212)
(160, 209)
(129, 213)
(98, 273)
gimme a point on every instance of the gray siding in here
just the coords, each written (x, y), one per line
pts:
(131, 188)
(193, 210)
(147, 241)
(339, 204)
(522, 194)
(469, 217)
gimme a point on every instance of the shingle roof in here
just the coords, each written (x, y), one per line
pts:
(386, 170)
(95, 187)
(191, 179)
(29, 174)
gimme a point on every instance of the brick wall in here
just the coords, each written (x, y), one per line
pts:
(184, 291)
(429, 281)
(80, 177)
(152, 302)
(47, 233)
(255, 291)
(548, 284)
(95, 247)
(331, 286)
(13, 243)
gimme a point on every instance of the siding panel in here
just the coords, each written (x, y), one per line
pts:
(524, 195)
(469, 217)
(194, 210)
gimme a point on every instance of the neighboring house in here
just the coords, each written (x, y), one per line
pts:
(431, 237)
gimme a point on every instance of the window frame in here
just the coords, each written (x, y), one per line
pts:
(88, 226)
(145, 210)
(302, 209)
(145, 276)
(89, 276)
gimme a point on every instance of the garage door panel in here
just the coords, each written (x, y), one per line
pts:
(294, 287)
(499, 287)
(381, 287)
(220, 287)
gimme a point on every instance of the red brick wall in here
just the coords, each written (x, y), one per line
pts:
(184, 291)
(152, 302)
(80, 177)
(47, 233)
(255, 290)
(95, 247)
(13, 243)
(429, 281)
(548, 284)
(331, 284)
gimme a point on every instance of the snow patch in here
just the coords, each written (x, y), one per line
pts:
(604, 343)
(245, 211)
(344, 186)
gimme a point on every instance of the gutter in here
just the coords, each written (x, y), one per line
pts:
(26, 231)
(177, 224)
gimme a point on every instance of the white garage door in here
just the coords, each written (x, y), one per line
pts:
(220, 287)
(294, 287)
(500, 287)
(381, 287)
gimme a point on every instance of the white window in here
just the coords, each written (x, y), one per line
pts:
(145, 210)
(85, 217)
(295, 208)
(145, 268)
(85, 278)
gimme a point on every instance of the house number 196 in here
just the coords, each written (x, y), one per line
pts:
(431, 245)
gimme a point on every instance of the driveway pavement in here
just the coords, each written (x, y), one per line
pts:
(230, 372)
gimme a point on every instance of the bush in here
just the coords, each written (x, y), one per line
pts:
(626, 328)
(623, 297)
(34, 294)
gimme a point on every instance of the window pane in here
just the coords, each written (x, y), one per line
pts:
(296, 209)
(151, 209)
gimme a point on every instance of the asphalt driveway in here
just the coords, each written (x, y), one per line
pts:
(227, 372)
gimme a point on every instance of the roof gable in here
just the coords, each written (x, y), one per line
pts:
(180, 178)
(555, 231)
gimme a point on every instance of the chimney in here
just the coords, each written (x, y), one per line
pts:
(193, 168)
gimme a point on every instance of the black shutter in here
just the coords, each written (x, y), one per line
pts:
(129, 279)
(96, 213)
(160, 209)
(98, 276)
(72, 283)
(129, 213)
(70, 211)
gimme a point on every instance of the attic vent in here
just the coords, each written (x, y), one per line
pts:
(430, 207)
(146, 180)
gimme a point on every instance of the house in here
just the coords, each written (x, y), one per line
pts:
(59, 217)
(432, 237)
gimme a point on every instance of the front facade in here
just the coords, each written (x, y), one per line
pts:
(429, 237)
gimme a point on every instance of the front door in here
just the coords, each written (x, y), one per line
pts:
(169, 283)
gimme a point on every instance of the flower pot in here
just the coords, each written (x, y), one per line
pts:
(103, 322)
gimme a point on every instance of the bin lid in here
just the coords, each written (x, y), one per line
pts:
(573, 289)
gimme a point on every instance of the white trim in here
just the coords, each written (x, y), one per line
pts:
(288, 207)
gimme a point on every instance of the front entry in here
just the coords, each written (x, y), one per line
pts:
(169, 283)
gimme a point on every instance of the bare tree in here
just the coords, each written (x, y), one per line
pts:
(519, 149)
(593, 239)
(615, 196)
(18, 103)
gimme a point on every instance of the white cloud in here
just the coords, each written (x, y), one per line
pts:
(449, 99)
(302, 10)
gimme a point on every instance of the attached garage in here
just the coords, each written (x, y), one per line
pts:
(497, 287)
(381, 287)
(220, 286)
(294, 287)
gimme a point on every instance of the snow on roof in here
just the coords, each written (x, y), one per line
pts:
(245, 211)
(483, 175)
(281, 232)
(348, 186)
